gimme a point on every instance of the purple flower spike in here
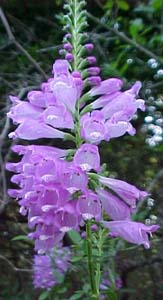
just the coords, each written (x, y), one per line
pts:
(133, 232)
(88, 158)
(129, 193)
(107, 86)
(113, 206)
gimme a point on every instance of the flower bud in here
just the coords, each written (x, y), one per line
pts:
(93, 71)
(89, 46)
(69, 57)
(67, 46)
(91, 59)
(94, 80)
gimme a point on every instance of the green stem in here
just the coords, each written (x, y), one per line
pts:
(74, 36)
(94, 291)
(98, 265)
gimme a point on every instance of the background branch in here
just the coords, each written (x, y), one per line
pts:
(13, 40)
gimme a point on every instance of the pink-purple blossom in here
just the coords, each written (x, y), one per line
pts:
(48, 109)
(88, 158)
(53, 184)
(127, 192)
(115, 208)
(49, 270)
(133, 232)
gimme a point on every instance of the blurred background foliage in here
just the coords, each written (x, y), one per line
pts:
(128, 38)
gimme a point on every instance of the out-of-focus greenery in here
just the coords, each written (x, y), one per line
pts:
(128, 38)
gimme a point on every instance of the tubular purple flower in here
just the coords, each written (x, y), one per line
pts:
(129, 193)
(48, 108)
(58, 116)
(88, 205)
(104, 100)
(126, 103)
(46, 152)
(74, 179)
(133, 232)
(87, 157)
(113, 206)
(118, 125)
(107, 86)
(65, 87)
(93, 127)
(23, 110)
(35, 130)
(41, 99)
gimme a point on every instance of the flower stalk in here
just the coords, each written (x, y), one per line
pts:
(94, 290)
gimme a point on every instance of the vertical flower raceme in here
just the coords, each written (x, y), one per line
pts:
(60, 189)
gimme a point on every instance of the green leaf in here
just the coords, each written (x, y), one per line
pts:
(156, 4)
(76, 296)
(74, 236)
(76, 258)
(44, 295)
(135, 27)
(112, 295)
(20, 238)
(109, 5)
(123, 5)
